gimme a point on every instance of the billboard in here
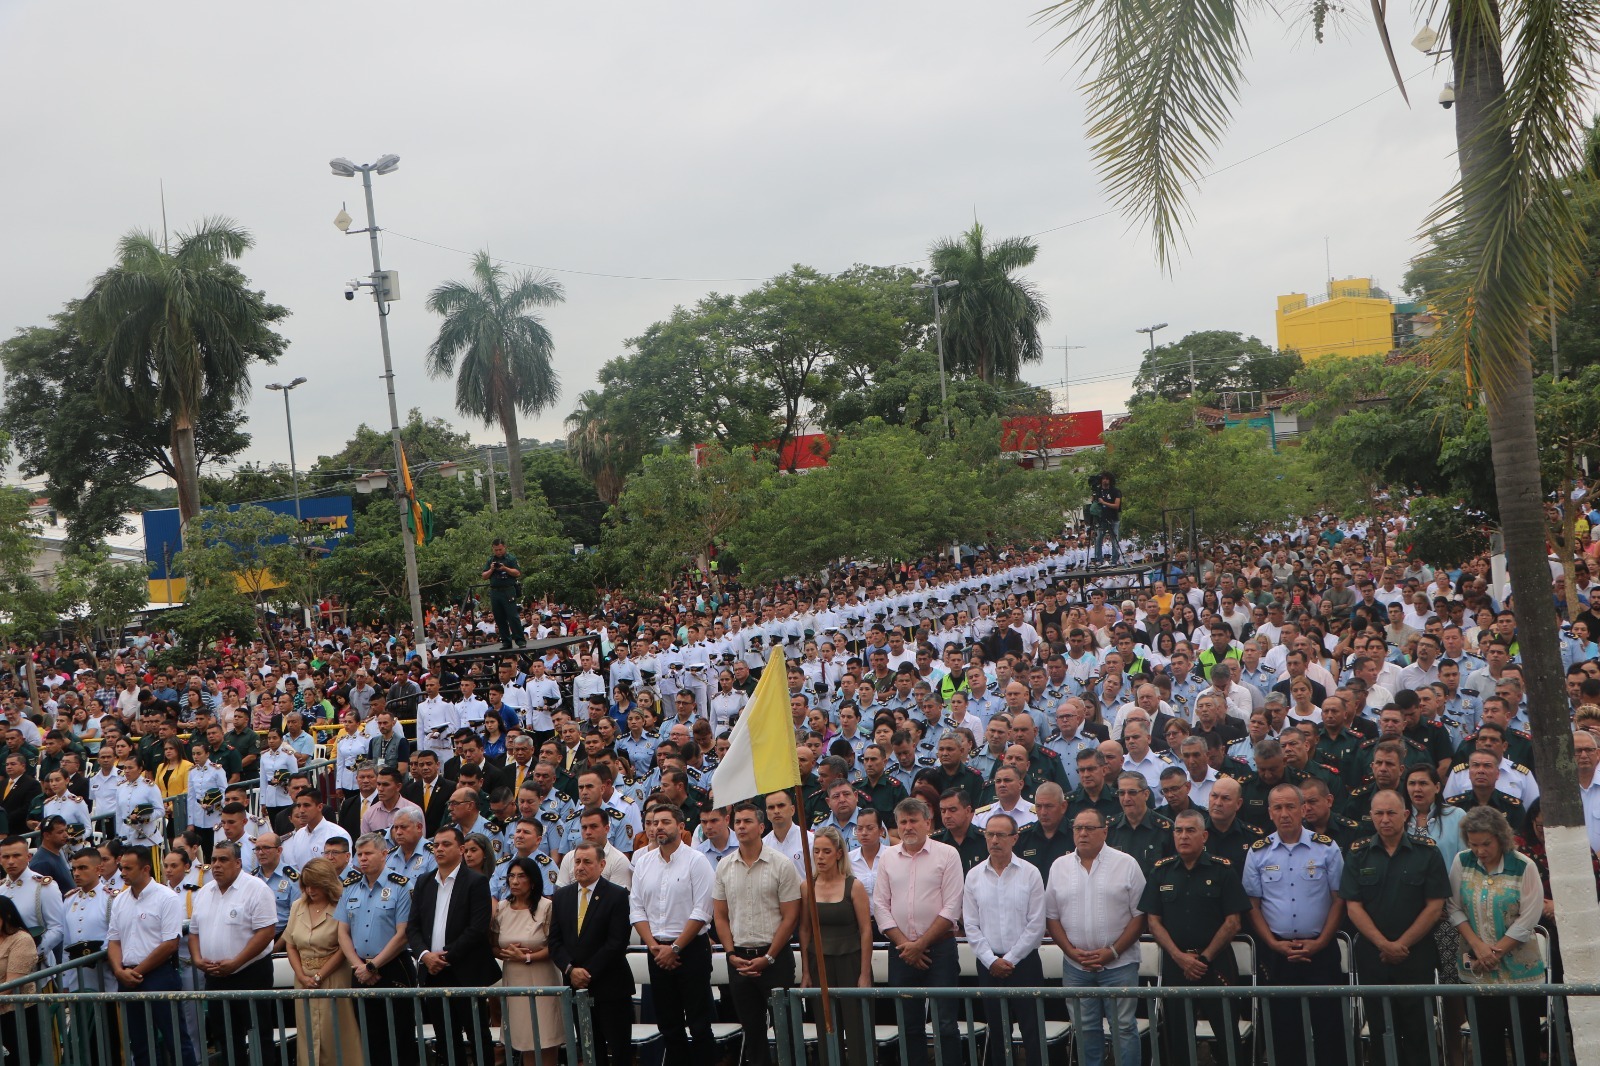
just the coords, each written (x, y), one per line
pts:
(332, 516)
(1053, 433)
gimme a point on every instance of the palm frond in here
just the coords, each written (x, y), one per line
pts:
(1518, 234)
(1164, 76)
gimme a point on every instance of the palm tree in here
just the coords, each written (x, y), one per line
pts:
(602, 448)
(504, 349)
(177, 330)
(991, 319)
(1162, 79)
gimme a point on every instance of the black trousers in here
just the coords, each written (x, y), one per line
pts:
(750, 996)
(461, 1021)
(1412, 1032)
(683, 1006)
(25, 1023)
(1493, 1029)
(506, 617)
(613, 1040)
(378, 1013)
(1179, 1016)
(1023, 1013)
(1289, 1035)
(230, 1022)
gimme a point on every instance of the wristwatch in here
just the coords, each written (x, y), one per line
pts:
(676, 950)
(1203, 957)
(770, 960)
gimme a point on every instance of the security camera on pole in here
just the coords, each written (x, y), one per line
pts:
(385, 286)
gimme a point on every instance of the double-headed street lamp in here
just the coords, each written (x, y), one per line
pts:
(1150, 331)
(384, 291)
(934, 284)
(294, 471)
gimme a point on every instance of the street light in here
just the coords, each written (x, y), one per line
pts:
(294, 471)
(1150, 331)
(383, 288)
(934, 284)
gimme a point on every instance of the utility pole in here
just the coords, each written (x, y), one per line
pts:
(381, 294)
(494, 497)
(1191, 373)
(935, 283)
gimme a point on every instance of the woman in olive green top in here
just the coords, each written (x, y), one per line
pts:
(845, 916)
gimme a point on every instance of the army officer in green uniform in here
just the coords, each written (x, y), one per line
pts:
(1395, 885)
(1196, 902)
(504, 577)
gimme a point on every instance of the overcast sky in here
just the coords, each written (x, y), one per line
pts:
(719, 142)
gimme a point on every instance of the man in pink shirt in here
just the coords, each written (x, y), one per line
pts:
(917, 903)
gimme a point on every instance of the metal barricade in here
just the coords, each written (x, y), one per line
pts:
(1169, 1023)
(275, 1027)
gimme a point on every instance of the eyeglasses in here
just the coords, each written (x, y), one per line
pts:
(1088, 828)
(996, 834)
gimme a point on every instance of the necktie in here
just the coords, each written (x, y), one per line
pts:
(522, 771)
(9, 783)
(427, 796)
(583, 906)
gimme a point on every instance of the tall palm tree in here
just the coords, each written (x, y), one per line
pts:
(603, 449)
(991, 319)
(177, 330)
(503, 348)
(1163, 78)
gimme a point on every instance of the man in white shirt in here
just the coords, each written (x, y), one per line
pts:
(540, 691)
(1092, 913)
(785, 835)
(306, 843)
(231, 929)
(1002, 909)
(142, 948)
(670, 908)
(437, 722)
(587, 683)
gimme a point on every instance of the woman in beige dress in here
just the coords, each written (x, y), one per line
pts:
(521, 932)
(311, 940)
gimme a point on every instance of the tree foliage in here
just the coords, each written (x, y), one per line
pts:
(1166, 458)
(94, 592)
(498, 349)
(175, 334)
(1222, 361)
(992, 315)
(1442, 532)
(234, 563)
(93, 458)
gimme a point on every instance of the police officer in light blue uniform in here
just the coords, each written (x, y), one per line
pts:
(410, 855)
(1294, 876)
(372, 909)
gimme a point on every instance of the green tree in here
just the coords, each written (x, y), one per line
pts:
(991, 318)
(604, 442)
(1443, 533)
(1162, 81)
(28, 609)
(178, 332)
(247, 557)
(1221, 361)
(672, 512)
(426, 440)
(95, 593)
(249, 483)
(1165, 457)
(568, 492)
(531, 533)
(503, 349)
(93, 458)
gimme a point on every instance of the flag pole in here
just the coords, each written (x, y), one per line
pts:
(815, 924)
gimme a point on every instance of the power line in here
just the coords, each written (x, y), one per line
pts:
(620, 276)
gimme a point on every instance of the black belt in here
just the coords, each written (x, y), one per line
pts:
(84, 948)
(755, 953)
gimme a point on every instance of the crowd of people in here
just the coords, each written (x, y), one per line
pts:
(1294, 738)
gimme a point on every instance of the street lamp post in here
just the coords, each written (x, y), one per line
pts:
(294, 471)
(934, 284)
(1150, 331)
(380, 284)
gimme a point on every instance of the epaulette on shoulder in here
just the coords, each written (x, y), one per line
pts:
(1426, 841)
(563, 797)
(1168, 861)
(542, 858)
(819, 819)
(428, 846)
(1261, 843)
(1218, 859)
(43, 879)
(1356, 846)
(1050, 753)
(1161, 820)
(1458, 767)
(493, 826)
(399, 879)
(985, 807)
(1519, 768)
(1513, 800)
(616, 815)
(291, 873)
(1321, 838)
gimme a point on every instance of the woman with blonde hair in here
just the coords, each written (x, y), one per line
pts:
(844, 918)
(311, 940)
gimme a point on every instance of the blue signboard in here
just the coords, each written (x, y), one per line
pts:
(332, 516)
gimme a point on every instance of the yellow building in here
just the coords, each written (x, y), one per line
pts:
(1354, 318)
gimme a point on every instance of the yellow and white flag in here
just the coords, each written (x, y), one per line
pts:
(761, 756)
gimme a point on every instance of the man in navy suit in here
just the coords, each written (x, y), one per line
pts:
(589, 945)
(449, 936)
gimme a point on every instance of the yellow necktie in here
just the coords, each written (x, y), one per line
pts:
(583, 906)
(364, 809)
(9, 783)
(522, 771)
(427, 796)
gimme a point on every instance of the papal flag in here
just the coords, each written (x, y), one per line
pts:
(761, 756)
